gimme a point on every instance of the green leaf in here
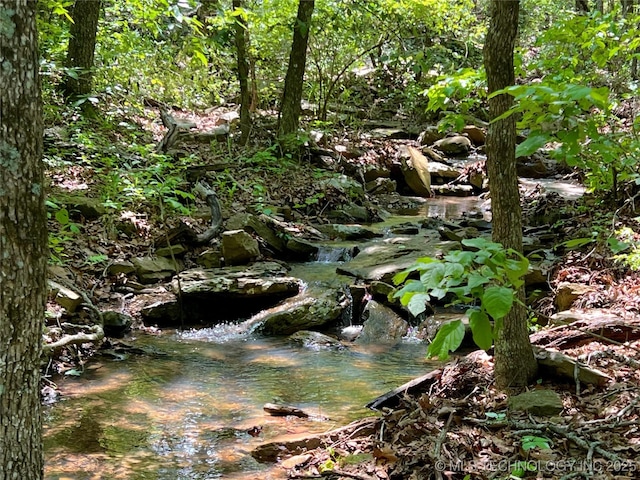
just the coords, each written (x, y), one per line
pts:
(418, 303)
(62, 216)
(481, 328)
(577, 242)
(497, 301)
(448, 339)
(531, 145)
(529, 442)
(617, 246)
(476, 279)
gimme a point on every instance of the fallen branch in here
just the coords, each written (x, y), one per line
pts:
(97, 334)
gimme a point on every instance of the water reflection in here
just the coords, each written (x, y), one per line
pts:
(186, 414)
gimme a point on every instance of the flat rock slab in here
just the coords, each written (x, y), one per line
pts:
(215, 295)
(259, 279)
(537, 402)
(383, 259)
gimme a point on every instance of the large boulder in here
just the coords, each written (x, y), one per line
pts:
(415, 170)
(457, 145)
(215, 295)
(152, 270)
(315, 307)
(381, 260)
(253, 224)
(383, 326)
(238, 247)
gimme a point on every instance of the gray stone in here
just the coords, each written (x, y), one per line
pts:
(174, 250)
(115, 324)
(381, 260)
(458, 145)
(211, 258)
(151, 270)
(545, 403)
(259, 279)
(348, 232)
(374, 172)
(238, 247)
(586, 316)
(121, 266)
(383, 326)
(315, 340)
(65, 297)
(315, 307)
(453, 190)
(345, 185)
(568, 292)
(253, 224)
(301, 249)
(475, 134)
(89, 208)
(430, 135)
(380, 186)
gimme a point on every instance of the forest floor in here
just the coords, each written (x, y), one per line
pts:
(461, 428)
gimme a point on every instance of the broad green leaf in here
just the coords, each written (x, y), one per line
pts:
(481, 328)
(531, 145)
(617, 246)
(497, 301)
(448, 339)
(418, 303)
(577, 242)
(475, 280)
(62, 216)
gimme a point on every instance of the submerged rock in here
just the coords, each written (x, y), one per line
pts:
(310, 339)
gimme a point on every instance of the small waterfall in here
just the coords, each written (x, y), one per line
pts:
(331, 254)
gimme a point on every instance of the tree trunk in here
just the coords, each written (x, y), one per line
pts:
(243, 74)
(292, 96)
(23, 243)
(582, 6)
(515, 364)
(82, 44)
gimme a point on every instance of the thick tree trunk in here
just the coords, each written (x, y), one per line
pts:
(514, 360)
(243, 74)
(82, 44)
(292, 96)
(23, 243)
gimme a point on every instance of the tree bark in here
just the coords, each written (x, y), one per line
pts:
(81, 49)
(292, 96)
(23, 243)
(243, 74)
(515, 364)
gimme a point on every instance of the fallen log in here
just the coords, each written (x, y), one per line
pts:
(417, 385)
(284, 410)
(562, 365)
(585, 327)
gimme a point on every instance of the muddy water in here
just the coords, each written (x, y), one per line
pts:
(184, 411)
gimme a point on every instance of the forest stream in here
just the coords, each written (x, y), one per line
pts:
(188, 404)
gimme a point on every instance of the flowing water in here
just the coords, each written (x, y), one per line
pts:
(184, 410)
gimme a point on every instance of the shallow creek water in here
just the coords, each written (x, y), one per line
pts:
(183, 411)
